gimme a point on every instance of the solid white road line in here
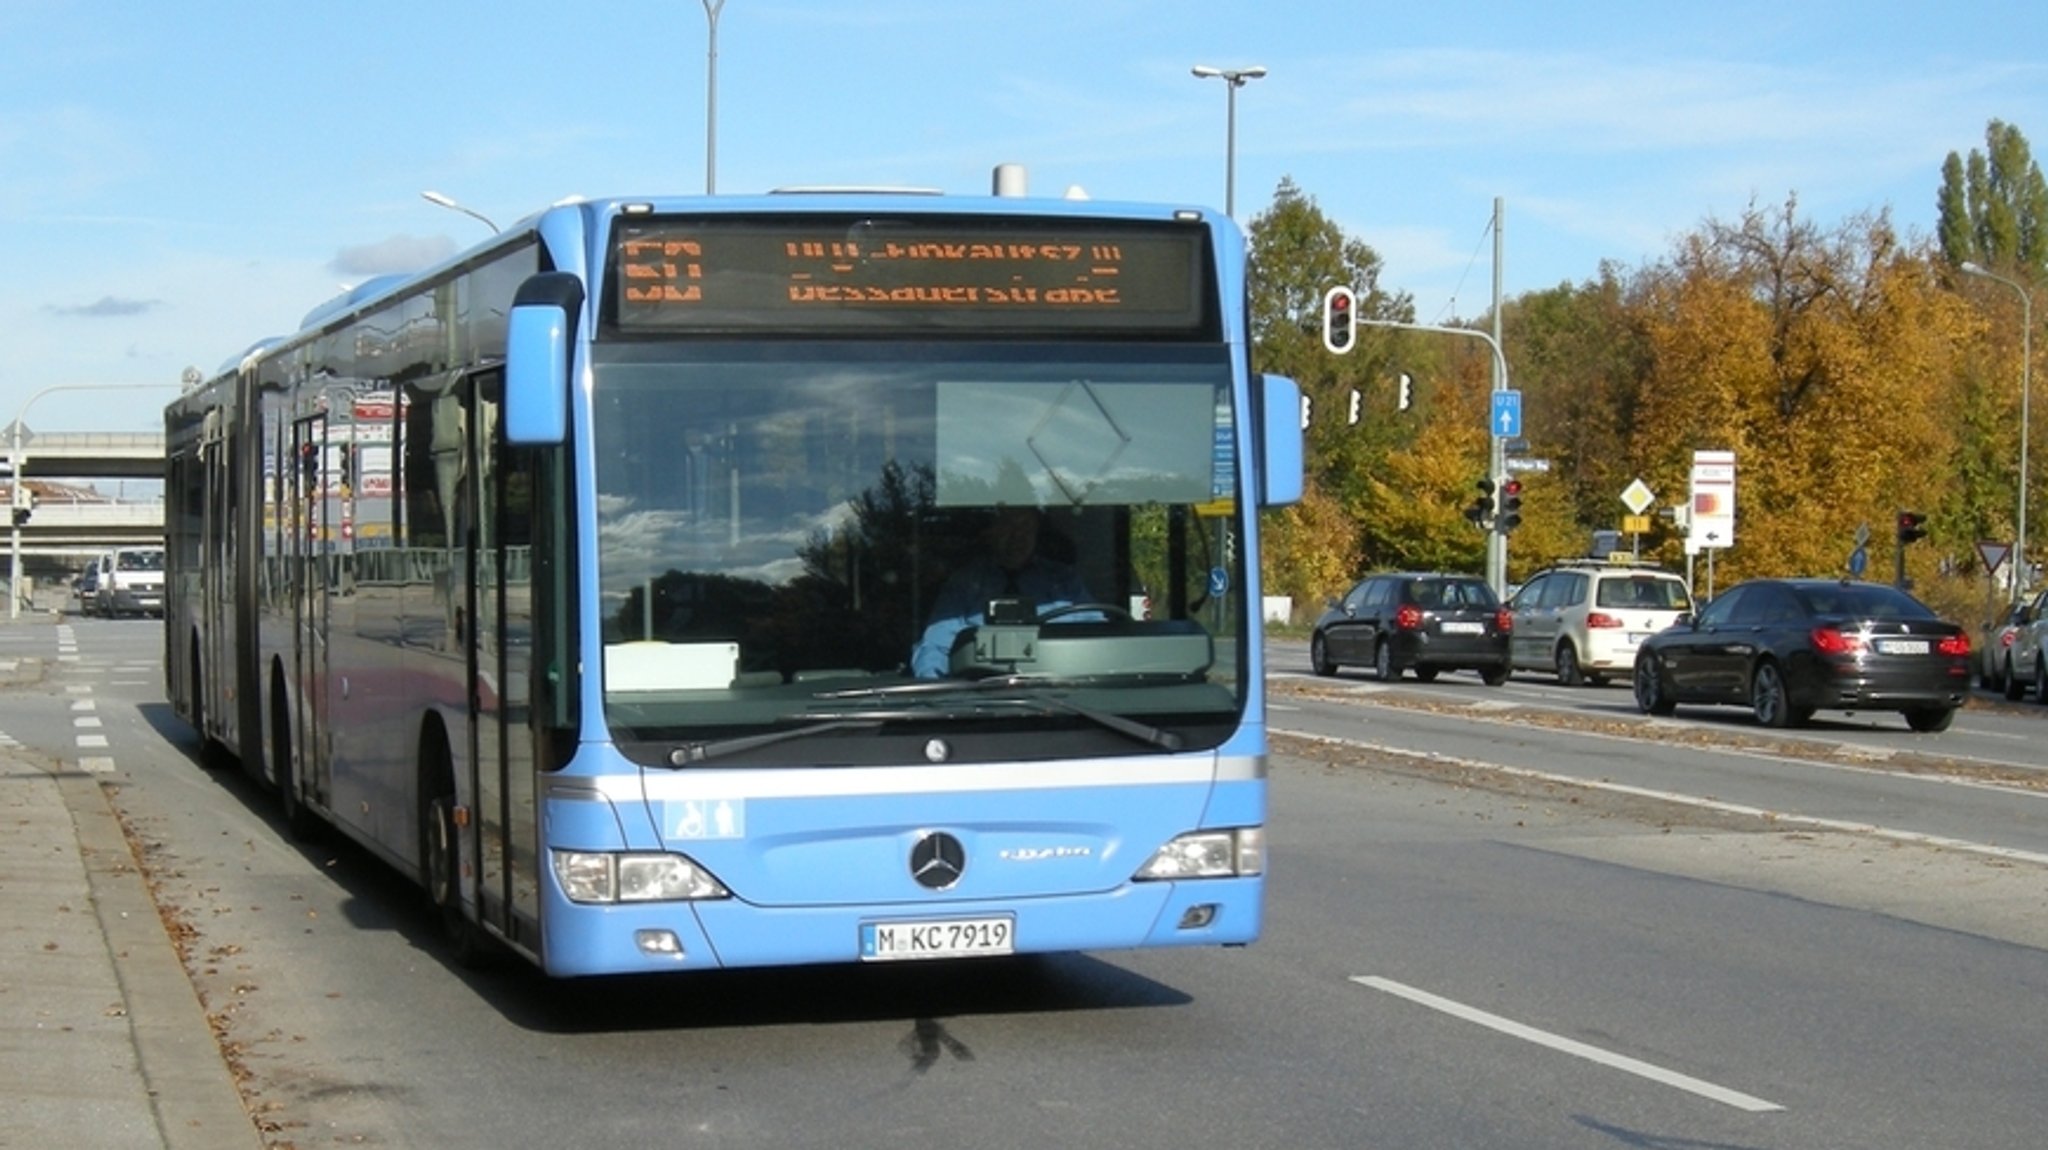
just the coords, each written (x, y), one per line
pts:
(1558, 1042)
(1780, 818)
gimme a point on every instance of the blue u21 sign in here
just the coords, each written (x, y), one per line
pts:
(1506, 420)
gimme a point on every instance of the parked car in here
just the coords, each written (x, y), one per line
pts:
(2026, 662)
(87, 588)
(1584, 619)
(1996, 650)
(1427, 622)
(1786, 648)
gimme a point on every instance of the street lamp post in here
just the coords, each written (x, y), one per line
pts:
(439, 200)
(711, 10)
(1236, 78)
(15, 460)
(2021, 569)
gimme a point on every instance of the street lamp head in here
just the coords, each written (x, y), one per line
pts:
(441, 201)
(1235, 76)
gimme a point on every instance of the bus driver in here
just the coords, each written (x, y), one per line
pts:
(1010, 567)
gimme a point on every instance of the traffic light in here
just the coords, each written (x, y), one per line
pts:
(1340, 320)
(1480, 510)
(1510, 515)
(1912, 526)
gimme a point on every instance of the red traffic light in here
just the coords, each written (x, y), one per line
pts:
(1340, 323)
(1912, 526)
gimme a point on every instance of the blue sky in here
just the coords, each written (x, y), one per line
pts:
(178, 180)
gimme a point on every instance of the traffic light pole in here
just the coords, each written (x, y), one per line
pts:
(1496, 460)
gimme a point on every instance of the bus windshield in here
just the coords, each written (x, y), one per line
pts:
(952, 539)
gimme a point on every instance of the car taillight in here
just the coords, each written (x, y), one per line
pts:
(1504, 620)
(1833, 641)
(1409, 617)
(1954, 645)
(1602, 619)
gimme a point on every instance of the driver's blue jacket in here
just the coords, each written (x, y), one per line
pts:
(963, 602)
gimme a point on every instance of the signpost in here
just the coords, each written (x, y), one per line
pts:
(1506, 420)
(1712, 508)
(1637, 497)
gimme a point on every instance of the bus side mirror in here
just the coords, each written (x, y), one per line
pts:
(539, 338)
(1280, 455)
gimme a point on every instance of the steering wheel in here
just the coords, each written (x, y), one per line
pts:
(1066, 609)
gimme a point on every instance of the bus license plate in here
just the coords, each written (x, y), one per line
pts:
(940, 938)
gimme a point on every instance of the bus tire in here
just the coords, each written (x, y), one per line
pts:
(299, 822)
(441, 854)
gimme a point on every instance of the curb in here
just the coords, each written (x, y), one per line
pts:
(191, 1092)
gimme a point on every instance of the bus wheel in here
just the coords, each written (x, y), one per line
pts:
(299, 822)
(211, 754)
(441, 862)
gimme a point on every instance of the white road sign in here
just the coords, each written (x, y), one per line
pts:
(1713, 501)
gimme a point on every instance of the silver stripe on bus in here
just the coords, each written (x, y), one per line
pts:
(657, 783)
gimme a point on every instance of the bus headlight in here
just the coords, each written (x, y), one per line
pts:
(609, 876)
(1209, 854)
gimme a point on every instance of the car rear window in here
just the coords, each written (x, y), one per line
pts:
(1453, 593)
(1864, 601)
(1642, 592)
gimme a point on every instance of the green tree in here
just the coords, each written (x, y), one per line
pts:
(1296, 255)
(1993, 206)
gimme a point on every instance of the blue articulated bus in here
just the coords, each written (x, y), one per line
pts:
(616, 579)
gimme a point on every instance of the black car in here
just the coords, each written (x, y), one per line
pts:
(1786, 648)
(1428, 622)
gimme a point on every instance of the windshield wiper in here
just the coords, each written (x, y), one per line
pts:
(1042, 704)
(1012, 682)
(689, 753)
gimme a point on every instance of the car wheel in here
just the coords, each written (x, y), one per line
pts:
(1568, 672)
(1494, 676)
(1383, 661)
(2014, 689)
(1426, 674)
(1767, 697)
(2041, 680)
(1650, 696)
(1319, 656)
(1929, 720)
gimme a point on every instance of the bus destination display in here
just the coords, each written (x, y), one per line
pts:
(810, 274)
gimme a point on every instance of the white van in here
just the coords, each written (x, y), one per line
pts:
(131, 582)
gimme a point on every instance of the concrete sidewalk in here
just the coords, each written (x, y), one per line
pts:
(103, 1041)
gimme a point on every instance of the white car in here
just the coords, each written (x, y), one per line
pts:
(2026, 659)
(1584, 619)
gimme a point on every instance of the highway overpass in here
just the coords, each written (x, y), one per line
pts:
(69, 524)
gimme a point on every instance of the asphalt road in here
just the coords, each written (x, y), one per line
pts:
(1454, 956)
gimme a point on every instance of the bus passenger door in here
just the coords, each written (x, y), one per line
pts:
(309, 602)
(500, 647)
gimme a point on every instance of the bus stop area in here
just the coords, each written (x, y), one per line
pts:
(103, 1041)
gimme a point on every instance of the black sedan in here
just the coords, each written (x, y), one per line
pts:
(1425, 621)
(1786, 648)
